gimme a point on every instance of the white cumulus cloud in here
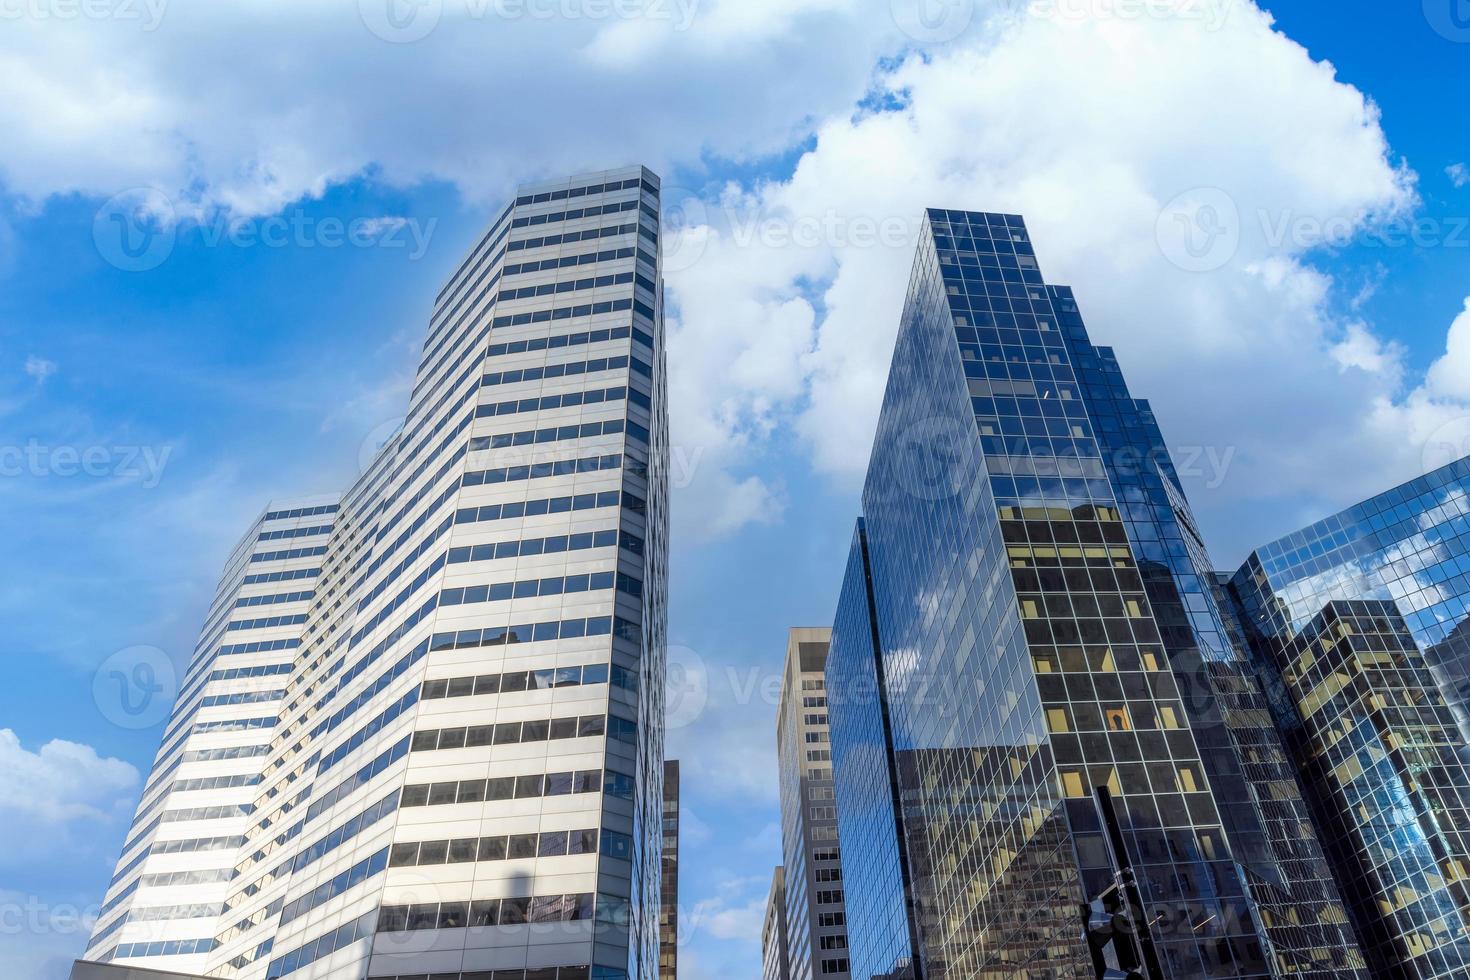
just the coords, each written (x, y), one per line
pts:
(62, 781)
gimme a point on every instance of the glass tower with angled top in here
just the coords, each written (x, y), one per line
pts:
(423, 729)
(1049, 758)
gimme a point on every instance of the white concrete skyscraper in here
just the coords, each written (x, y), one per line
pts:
(422, 732)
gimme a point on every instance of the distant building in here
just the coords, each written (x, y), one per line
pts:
(668, 925)
(1358, 623)
(816, 919)
(775, 958)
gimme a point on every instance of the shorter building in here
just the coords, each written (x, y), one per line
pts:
(816, 918)
(774, 954)
(1353, 625)
(668, 920)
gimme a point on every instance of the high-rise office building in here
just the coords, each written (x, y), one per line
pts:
(422, 732)
(775, 959)
(1358, 624)
(1035, 708)
(816, 922)
(668, 923)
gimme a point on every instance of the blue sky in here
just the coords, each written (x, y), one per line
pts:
(800, 139)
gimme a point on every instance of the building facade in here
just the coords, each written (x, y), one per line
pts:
(816, 921)
(422, 732)
(668, 924)
(775, 959)
(1062, 725)
(1358, 624)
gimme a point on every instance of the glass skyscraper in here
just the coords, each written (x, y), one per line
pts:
(1050, 759)
(1358, 624)
(422, 732)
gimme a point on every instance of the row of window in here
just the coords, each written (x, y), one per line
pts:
(509, 733)
(577, 259)
(163, 913)
(566, 313)
(527, 589)
(294, 532)
(259, 646)
(572, 237)
(536, 508)
(267, 622)
(572, 214)
(578, 339)
(290, 553)
(486, 912)
(259, 670)
(553, 545)
(233, 725)
(570, 399)
(575, 192)
(544, 973)
(172, 947)
(281, 515)
(566, 629)
(526, 680)
(516, 847)
(168, 879)
(504, 788)
(568, 286)
(241, 697)
(544, 372)
(215, 782)
(538, 471)
(245, 602)
(555, 433)
(288, 576)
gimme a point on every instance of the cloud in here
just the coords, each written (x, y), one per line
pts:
(63, 782)
(1449, 375)
(1459, 174)
(193, 109)
(39, 368)
(1091, 130)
